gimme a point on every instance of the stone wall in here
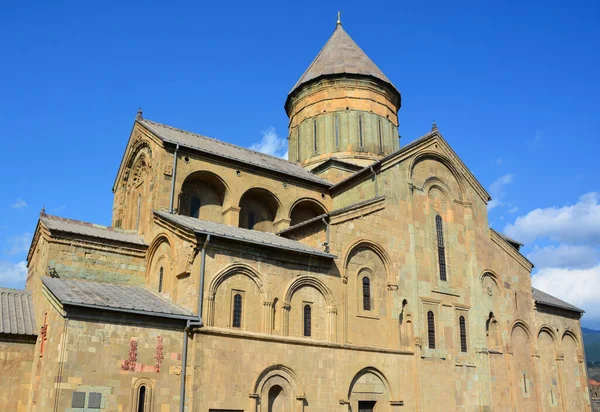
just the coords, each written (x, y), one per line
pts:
(15, 379)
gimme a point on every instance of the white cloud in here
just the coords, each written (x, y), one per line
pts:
(13, 275)
(19, 244)
(564, 256)
(271, 144)
(513, 209)
(578, 287)
(578, 223)
(498, 191)
(19, 204)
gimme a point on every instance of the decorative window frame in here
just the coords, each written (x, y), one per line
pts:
(312, 317)
(463, 358)
(135, 392)
(243, 314)
(360, 311)
(439, 352)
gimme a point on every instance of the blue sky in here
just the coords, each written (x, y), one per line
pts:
(513, 87)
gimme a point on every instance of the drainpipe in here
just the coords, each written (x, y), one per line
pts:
(376, 185)
(326, 235)
(202, 270)
(173, 178)
(189, 325)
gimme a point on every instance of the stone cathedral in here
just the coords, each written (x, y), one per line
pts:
(359, 275)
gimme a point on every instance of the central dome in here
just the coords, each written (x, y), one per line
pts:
(342, 105)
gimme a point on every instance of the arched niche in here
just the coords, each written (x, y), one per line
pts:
(242, 280)
(549, 379)
(572, 370)
(202, 196)
(371, 326)
(305, 209)
(525, 386)
(160, 262)
(308, 290)
(258, 210)
(370, 390)
(277, 389)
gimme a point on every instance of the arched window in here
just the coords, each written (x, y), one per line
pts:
(315, 147)
(440, 245)
(366, 285)
(139, 210)
(360, 131)
(251, 220)
(161, 272)
(307, 320)
(431, 329)
(463, 334)
(237, 311)
(142, 399)
(195, 207)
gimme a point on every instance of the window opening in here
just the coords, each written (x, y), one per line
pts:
(237, 311)
(380, 136)
(160, 279)
(195, 207)
(525, 383)
(366, 406)
(431, 329)
(298, 142)
(440, 246)
(315, 135)
(307, 320)
(337, 132)
(366, 286)
(139, 208)
(251, 220)
(463, 334)
(360, 131)
(142, 399)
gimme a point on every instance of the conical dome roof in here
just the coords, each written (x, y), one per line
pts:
(341, 55)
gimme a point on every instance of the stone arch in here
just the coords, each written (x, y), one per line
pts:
(323, 308)
(493, 334)
(367, 244)
(284, 382)
(549, 378)
(437, 190)
(260, 209)
(574, 388)
(524, 380)
(304, 209)
(438, 157)
(161, 250)
(238, 269)
(370, 384)
(210, 191)
(148, 395)
(492, 286)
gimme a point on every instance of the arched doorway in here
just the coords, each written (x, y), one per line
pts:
(369, 392)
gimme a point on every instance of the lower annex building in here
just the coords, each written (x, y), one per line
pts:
(360, 275)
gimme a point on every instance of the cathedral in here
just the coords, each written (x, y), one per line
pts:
(359, 275)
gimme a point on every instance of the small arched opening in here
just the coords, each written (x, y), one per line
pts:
(305, 210)
(202, 196)
(258, 209)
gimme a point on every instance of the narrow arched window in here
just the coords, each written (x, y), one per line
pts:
(440, 245)
(139, 210)
(431, 329)
(366, 289)
(251, 220)
(463, 334)
(161, 272)
(237, 311)
(315, 148)
(307, 320)
(142, 399)
(360, 131)
(298, 143)
(195, 207)
(337, 132)
(380, 134)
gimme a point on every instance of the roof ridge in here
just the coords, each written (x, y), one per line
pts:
(222, 142)
(22, 291)
(87, 224)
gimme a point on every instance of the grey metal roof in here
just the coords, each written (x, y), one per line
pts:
(105, 296)
(341, 55)
(242, 235)
(16, 312)
(549, 300)
(229, 151)
(91, 230)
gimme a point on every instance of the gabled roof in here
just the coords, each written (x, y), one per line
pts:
(549, 300)
(341, 55)
(77, 227)
(118, 298)
(255, 237)
(516, 244)
(16, 313)
(229, 151)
